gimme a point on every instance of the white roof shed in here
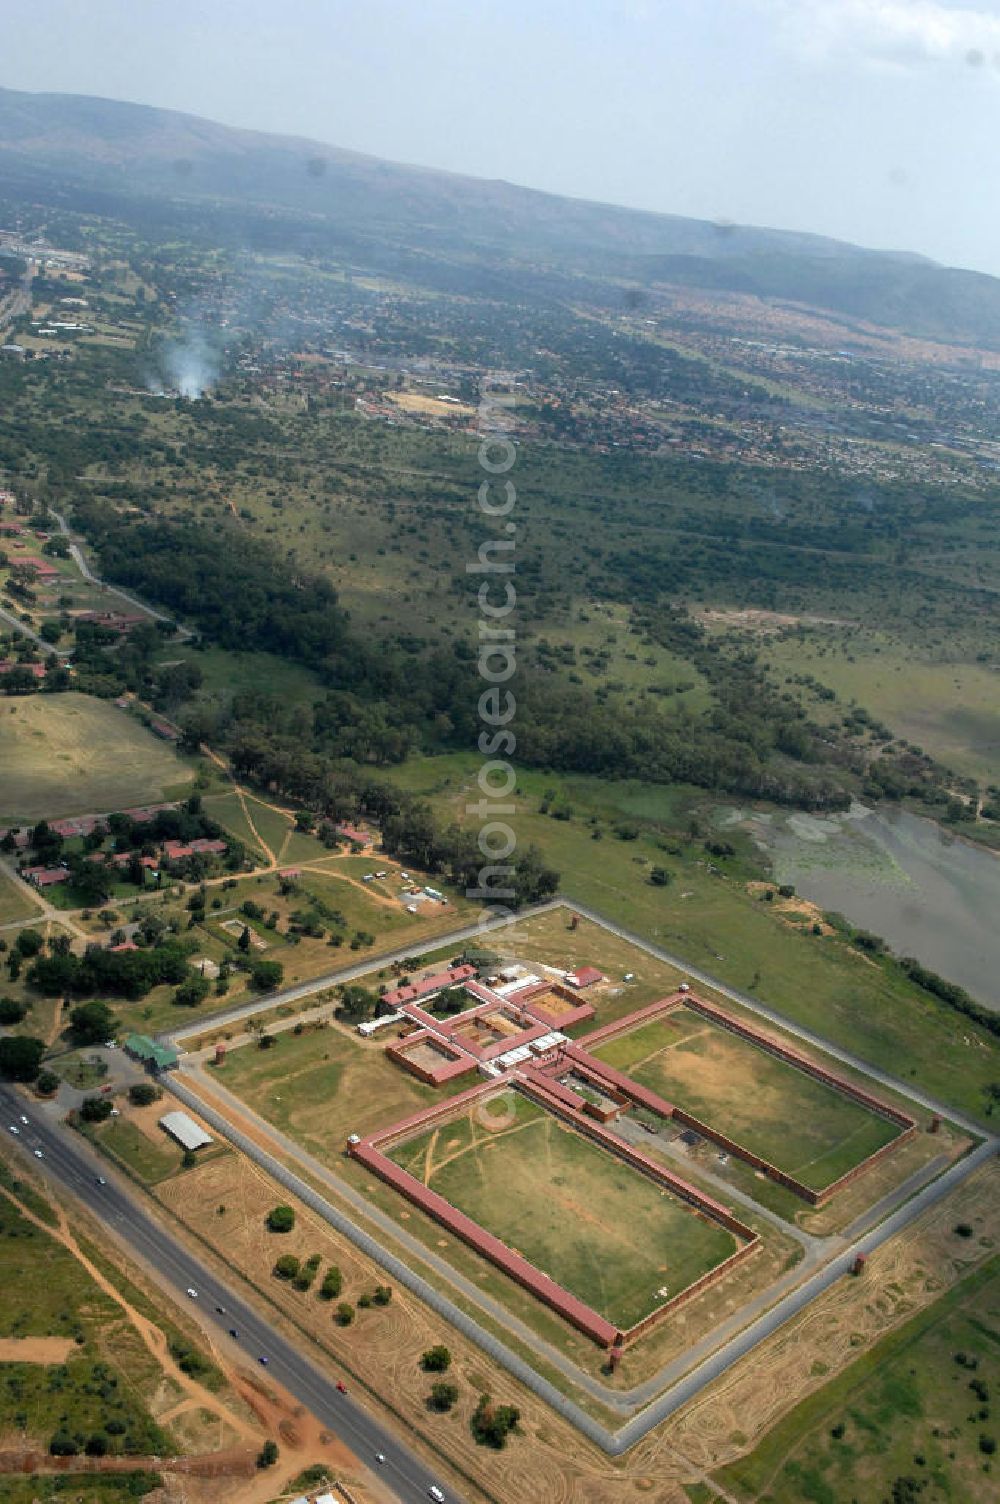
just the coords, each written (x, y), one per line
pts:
(185, 1130)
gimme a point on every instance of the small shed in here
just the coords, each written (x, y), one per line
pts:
(185, 1130)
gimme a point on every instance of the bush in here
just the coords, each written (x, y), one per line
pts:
(281, 1219)
(47, 1083)
(963, 1230)
(436, 1359)
(268, 1454)
(287, 1266)
(345, 1313)
(144, 1094)
(382, 1295)
(63, 1445)
(443, 1395)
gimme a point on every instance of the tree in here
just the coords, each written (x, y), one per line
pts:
(491, 1424)
(144, 1094)
(11, 1011)
(244, 941)
(268, 1454)
(345, 1313)
(47, 1083)
(281, 1219)
(436, 1359)
(92, 1023)
(660, 877)
(29, 942)
(20, 1057)
(382, 1295)
(287, 1266)
(333, 1283)
(95, 1109)
(192, 992)
(443, 1395)
(266, 975)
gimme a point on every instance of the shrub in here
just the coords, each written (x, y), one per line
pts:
(144, 1093)
(345, 1313)
(281, 1219)
(268, 1454)
(381, 1295)
(47, 1083)
(436, 1359)
(443, 1395)
(287, 1266)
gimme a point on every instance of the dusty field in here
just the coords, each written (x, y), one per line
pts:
(414, 402)
(71, 754)
(35, 1349)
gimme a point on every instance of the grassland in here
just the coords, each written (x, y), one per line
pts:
(44, 1293)
(71, 754)
(907, 1409)
(947, 705)
(785, 1116)
(602, 1231)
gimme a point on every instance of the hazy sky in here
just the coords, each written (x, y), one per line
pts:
(874, 120)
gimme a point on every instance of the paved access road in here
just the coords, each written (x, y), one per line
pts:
(70, 1165)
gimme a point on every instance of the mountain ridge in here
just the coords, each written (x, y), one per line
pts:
(123, 147)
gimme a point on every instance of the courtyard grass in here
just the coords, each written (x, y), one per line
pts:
(597, 1227)
(782, 1114)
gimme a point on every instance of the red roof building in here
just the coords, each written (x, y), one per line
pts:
(46, 877)
(585, 976)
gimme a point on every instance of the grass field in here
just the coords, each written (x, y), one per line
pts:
(787, 1117)
(600, 1229)
(71, 754)
(14, 902)
(905, 1410)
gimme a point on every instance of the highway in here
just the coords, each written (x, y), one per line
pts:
(71, 1166)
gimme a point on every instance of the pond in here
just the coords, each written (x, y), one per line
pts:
(927, 893)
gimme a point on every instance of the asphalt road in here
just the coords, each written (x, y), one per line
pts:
(70, 1164)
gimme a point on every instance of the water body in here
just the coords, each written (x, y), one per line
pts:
(927, 893)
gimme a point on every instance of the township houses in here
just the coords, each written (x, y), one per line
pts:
(356, 836)
(46, 877)
(42, 567)
(36, 670)
(176, 851)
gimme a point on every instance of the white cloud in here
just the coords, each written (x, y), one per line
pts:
(898, 34)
